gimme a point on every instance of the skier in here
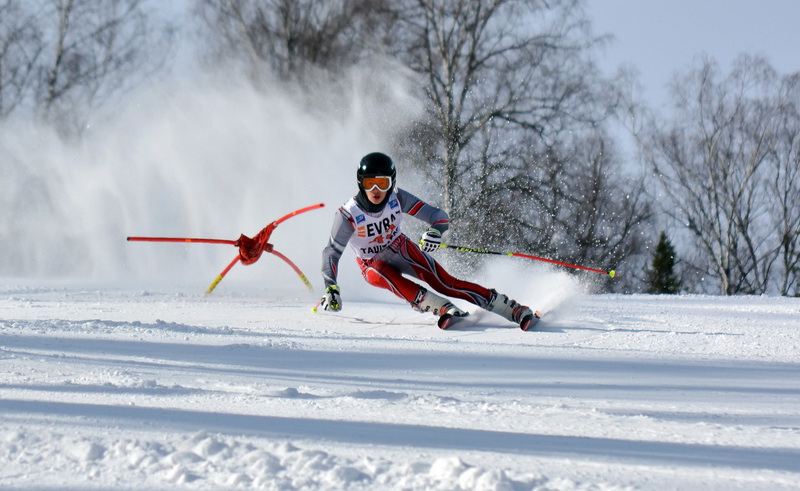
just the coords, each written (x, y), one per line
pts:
(370, 222)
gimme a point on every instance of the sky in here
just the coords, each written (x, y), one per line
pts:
(659, 38)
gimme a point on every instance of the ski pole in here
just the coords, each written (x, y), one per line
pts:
(611, 273)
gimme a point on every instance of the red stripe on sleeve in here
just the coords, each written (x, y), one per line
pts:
(416, 209)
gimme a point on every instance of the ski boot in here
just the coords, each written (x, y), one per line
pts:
(428, 301)
(522, 315)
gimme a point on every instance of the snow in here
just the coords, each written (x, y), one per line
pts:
(125, 385)
(132, 377)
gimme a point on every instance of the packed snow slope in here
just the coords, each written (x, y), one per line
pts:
(165, 387)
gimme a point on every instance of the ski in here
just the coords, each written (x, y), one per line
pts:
(449, 320)
(530, 321)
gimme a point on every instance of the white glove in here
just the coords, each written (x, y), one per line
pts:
(332, 300)
(431, 240)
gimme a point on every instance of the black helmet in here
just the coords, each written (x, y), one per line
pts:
(376, 164)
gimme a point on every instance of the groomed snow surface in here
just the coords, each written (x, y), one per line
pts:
(113, 386)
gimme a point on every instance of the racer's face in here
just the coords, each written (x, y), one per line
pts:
(376, 196)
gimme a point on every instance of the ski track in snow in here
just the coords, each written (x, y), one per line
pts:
(116, 387)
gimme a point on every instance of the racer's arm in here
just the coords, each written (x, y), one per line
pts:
(341, 232)
(435, 217)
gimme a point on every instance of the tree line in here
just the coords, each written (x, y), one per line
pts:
(517, 127)
(61, 59)
(727, 164)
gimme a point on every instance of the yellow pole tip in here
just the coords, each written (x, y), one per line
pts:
(612, 273)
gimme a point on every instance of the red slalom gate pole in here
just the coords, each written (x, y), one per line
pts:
(295, 268)
(222, 275)
(252, 254)
(263, 237)
(296, 212)
(223, 241)
(181, 239)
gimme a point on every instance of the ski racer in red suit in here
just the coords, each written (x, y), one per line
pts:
(370, 223)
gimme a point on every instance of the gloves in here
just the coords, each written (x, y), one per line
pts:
(431, 240)
(332, 300)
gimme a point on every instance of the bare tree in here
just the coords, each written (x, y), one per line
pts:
(20, 48)
(784, 185)
(487, 75)
(576, 203)
(100, 47)
(716, 160)
(506, 82)
(513, 135)
(95, 50)
(293, 39)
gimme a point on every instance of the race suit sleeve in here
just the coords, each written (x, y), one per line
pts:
(341, 232)
(435, 217)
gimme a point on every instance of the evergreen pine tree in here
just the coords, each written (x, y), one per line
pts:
(662, 278)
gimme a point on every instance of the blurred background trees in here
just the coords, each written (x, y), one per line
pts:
(728, 163)
(514, 130)
(293, 40)
(62, 59)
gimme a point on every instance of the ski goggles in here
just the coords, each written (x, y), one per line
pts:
(384, 183)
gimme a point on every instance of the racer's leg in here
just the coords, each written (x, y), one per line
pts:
(383, 275)
(431, 272)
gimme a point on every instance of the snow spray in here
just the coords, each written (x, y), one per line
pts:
(202, 156)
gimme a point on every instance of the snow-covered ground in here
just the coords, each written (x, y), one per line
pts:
(117, 386)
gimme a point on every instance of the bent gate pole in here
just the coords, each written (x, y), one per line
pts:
(265, 246)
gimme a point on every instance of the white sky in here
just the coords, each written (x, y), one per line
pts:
(660, 37)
